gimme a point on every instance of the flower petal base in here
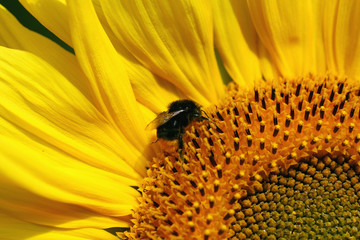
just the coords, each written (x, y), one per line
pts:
(281, 160)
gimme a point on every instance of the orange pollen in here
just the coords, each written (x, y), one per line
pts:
(301, 133)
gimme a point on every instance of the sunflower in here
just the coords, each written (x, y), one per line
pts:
(277, 156)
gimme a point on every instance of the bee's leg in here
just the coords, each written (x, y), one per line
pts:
(181, 145)
(180, 149)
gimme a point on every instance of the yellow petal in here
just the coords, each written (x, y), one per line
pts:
(56, 145)
(150, 90)
(14, 229)
(327, 20)
(147, 87)
(289, 31)
(347, 38)
(14, 35)
(41, 169)
(28, 206)
(36, 97)
(172, 39)
(105, 70)
(53, 14)
(237, 41)
(268, 69)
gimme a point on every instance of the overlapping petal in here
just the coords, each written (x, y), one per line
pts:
(14, 229)
(16, 36)
(40, 100)
(53, 14)
(327, 20)
(309, 36)
(237, 41)
(61, 159)
(178, 51)
(42, 169)
(152, 91)
(346, 41)
(107, 75)
(290, 33)
(146, 86)
(52, 210)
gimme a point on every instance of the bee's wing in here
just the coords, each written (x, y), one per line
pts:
(161, 119)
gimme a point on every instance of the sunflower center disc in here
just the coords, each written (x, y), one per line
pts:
(316, 199)
(278, 161)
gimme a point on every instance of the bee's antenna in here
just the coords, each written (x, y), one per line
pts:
(207, 118)
(155, 141)
(206, 115)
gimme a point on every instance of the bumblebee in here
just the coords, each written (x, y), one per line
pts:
(170, 125)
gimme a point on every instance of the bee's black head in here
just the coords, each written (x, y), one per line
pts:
(191, 109)
(186, 105)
